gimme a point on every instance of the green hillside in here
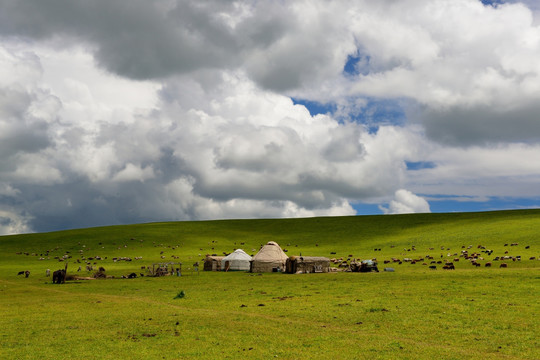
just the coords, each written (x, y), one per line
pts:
(355, 235)
(412, 313)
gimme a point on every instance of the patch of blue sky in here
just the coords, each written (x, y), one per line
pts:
(378, 112)
(492, 2)
(315, 107)
(374, 113)
(419, 165)
(367, 209)
(356, 65)
(450, 204)
(462, 204)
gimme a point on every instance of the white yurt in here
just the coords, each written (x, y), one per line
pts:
(236, 261)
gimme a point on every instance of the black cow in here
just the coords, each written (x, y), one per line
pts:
(59, 277)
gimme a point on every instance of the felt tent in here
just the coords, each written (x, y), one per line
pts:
(269, 259)
(212, 263)
(307, 264)
(237, 260)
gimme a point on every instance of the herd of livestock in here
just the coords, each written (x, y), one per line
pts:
(447, 260)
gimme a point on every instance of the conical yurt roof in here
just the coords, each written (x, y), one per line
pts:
(237, 254)
(270, 252)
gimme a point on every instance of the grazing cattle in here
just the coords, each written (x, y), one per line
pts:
(132, 276)
(20, 272)
(488, 264)
(27, 273)
(449, 266)
(532, 258)
(433, 267)
(503, 265)
(101, 269)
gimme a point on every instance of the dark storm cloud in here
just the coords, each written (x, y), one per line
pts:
(138, 39)
(156, 39)
(473, 125)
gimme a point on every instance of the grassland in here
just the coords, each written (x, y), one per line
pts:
(412, 313)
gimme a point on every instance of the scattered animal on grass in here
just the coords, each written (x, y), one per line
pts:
(48, 272)
(503, 265)
(20, 272)
(59, 277)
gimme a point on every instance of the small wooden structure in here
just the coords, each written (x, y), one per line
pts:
(165, 269)
(212, 263)
(307, 264)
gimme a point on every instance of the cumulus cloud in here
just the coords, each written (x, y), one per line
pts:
(115, 112)
(470, 69)
(248, 152)
(405, 202)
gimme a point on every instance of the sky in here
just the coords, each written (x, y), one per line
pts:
(121, 112)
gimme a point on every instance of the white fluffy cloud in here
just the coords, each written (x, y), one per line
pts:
(405, 202)
(163, 110)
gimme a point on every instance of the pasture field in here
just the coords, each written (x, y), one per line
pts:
(412, 313)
